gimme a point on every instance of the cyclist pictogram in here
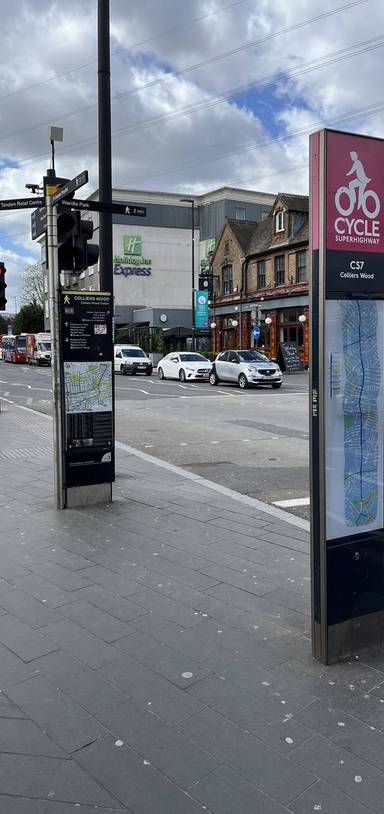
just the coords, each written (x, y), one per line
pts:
(357, 193)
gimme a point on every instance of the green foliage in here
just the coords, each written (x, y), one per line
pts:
(30, 319)
(3, 324)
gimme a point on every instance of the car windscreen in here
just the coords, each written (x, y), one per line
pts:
(192, 357)
(252, 356)
(132, 352)
(20, 343)
(44, 346)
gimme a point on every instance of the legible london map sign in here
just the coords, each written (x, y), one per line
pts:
(87, 373)
(347, 393)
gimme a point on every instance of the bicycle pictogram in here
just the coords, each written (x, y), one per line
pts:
(357, 193)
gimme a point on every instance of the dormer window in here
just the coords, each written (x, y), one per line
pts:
(279, 221)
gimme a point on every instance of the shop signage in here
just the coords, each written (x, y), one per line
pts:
(132, 262)
(210, 245)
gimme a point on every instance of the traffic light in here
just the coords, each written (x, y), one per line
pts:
(206, 282)
(3, 285)
(73, 233)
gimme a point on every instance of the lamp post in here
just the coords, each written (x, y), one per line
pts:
(192, 202)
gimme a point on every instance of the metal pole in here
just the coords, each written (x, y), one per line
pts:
(53, 299)
(105, 151)
(193, 276)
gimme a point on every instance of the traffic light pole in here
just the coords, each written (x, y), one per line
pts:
(53, 300)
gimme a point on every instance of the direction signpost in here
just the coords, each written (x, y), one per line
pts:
(82, 358)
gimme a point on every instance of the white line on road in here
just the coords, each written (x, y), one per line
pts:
(29, 386)
(290, 504)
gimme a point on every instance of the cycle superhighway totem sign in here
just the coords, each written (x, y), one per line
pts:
(347, 393)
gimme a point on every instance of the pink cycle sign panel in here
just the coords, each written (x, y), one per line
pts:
(355, 193)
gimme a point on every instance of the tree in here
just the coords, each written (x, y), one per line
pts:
(30, 319)
(32, 284)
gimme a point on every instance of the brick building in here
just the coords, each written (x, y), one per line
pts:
(261, 272)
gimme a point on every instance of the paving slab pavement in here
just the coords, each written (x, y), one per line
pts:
(155, 653)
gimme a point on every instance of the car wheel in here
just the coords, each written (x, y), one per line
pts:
(243, 381)
(148, 371)
(182, 376)
(160, 373)
(276, 385)
(123, 370)
(213, 380)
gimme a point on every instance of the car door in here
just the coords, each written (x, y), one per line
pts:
(173, 366)
(221, 365)
(118, 359)
(232, 366)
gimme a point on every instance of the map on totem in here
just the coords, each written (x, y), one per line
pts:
(354, 446)
(88, 387)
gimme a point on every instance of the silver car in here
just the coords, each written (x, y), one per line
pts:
(245, 368)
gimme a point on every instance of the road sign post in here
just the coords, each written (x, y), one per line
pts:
(53, 302)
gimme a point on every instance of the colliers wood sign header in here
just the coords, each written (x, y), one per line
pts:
(132, 260)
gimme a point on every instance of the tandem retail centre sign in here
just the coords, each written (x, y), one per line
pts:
(132, 262)
(347, 393)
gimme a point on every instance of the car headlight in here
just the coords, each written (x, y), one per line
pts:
(251, 369)
(190, 369)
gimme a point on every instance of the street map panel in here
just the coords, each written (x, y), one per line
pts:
(88, 387)
(354, 433)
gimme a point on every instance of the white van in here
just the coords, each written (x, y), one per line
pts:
(130, 359)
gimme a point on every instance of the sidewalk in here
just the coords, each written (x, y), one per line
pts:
(155, 653)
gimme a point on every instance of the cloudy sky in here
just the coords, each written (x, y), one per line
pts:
(204, 94)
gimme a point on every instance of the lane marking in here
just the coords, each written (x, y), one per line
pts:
(290, 504)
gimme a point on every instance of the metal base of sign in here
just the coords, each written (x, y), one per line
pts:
(350, 638)
(88, 495)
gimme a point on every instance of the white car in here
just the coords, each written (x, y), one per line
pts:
(185, 366)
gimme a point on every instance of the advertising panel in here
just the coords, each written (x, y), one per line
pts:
(347, 389)
(201, 309)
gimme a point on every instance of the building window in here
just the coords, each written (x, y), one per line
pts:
(240, 213)
(279, 269)
(261, 274)
(279, 220)
(227, 276)
(301, 267)
(291, 330)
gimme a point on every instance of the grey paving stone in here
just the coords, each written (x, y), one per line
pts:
(43, 590)
(351, 775)
(8, 709)
(115, 605)
(167, 750)
(177, 667)
(43, 777)
(64, 720)
(272, 773)
(108, 579)
(89, 649)
(69, 808)
(97, 621)
(225, 792)
(182, 639)
(26, 643)
(12, 669)
(80, 683)
(29, 610)
(17, 805)
(259, 586)
(23, 737)
(135, 783)
(328, 800)
(149, 689)
(163, 606)
(293, 600)
(59, 555)
(62, 577)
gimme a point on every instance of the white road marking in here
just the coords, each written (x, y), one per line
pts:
(29, 386)
(289, 504)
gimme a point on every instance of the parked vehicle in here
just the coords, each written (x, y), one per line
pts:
(245, 368)
(38, 349)
(130, 359)
(14, 349)
(184, 366)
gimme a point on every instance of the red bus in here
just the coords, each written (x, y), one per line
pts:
(14, 348)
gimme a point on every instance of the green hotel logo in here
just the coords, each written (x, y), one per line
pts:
(132, 245)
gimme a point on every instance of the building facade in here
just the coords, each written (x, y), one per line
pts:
(152, 255)
(260, 273)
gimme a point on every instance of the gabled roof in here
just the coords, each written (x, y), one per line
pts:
(243, 231)
(261, 241)
(295, 203)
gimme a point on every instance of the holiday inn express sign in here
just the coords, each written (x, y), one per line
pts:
(132, 262)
